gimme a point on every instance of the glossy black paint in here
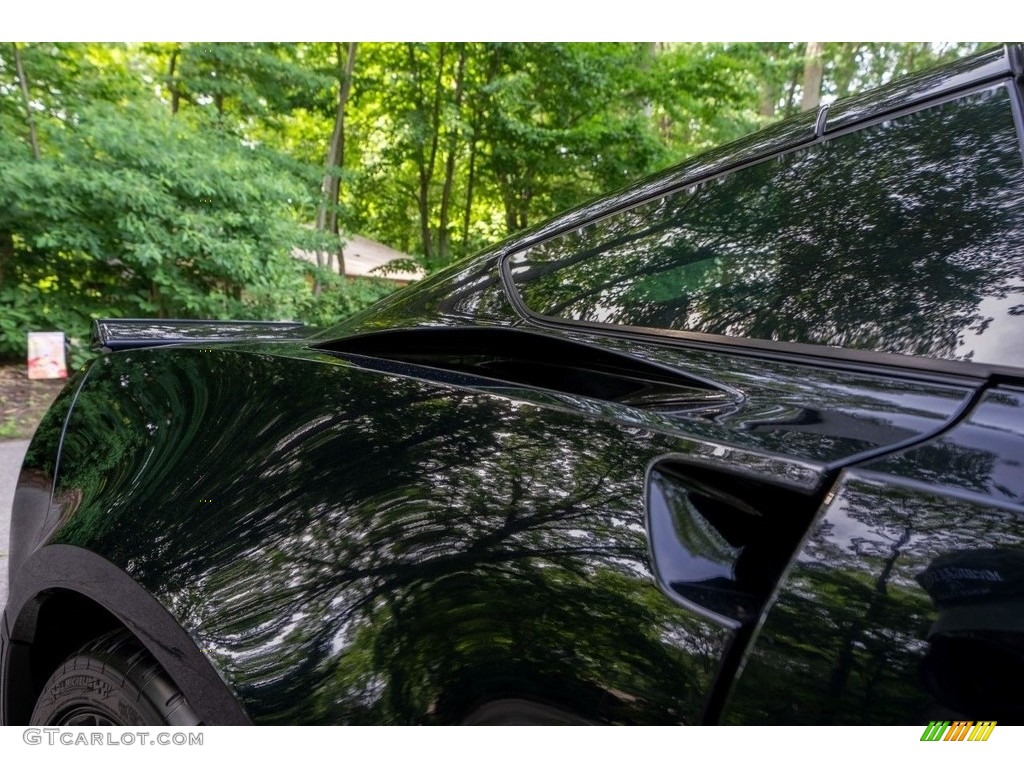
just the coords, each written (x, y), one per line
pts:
(366, 593)
(907, 599)
(412, 498)
(447, 510)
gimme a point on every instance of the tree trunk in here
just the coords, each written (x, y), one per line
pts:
(430, 117)
(791, 92)
(467, 211)
(157, 298)
(910, 52)
(172, 82)
(435, 139)
(443, 235)
(327, 214)
(516, 198)
(769, 98)
(493, 67)
(346, 89)
(813, 73)
(846, 658)
(6, 253)
(33, 140)
(650, 55)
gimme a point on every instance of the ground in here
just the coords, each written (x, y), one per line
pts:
(23, 401)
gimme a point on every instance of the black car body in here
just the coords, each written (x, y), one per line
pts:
(740, 444)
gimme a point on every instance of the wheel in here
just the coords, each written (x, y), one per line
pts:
(112, 680)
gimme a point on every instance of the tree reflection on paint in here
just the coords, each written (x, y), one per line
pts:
(378, 554)
(852, 624)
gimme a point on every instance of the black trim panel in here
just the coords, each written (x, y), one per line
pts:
(113, 334)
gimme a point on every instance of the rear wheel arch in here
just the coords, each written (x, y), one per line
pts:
(46, 631)
(62, 598)
(112, 680)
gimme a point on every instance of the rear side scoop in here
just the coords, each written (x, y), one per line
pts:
(112, 335)
(522, 358)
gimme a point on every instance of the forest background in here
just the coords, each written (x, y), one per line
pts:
(178, 179)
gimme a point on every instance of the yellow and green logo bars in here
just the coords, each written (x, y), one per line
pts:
(958, 730)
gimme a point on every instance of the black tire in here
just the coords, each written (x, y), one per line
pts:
(112, 680)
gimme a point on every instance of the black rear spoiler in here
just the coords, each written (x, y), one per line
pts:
(111, 335)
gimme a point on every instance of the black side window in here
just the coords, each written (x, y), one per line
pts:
(906, 236)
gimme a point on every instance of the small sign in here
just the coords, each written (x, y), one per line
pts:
(46, 356)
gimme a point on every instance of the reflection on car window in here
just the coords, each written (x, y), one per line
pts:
(906, 236)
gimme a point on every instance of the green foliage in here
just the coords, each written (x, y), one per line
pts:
(341, 297)
(174, 179)
(567, 122)
(133, 213)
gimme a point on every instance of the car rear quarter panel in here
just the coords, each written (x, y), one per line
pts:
(347, 546)
(352, 548)
(907, 598)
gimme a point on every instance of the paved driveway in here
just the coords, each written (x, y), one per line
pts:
(11, 453)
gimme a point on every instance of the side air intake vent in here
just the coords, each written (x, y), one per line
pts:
(720, 541)
(522, 358)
